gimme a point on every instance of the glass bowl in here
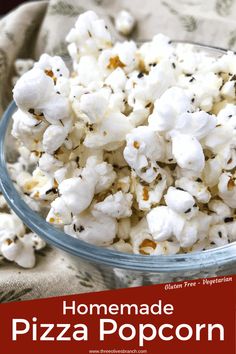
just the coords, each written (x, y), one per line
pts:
(116, 269)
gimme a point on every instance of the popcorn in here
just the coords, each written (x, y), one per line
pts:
(148, 195)
(201, 245)
(173, 112)
(28, 129)
(220, 136)
(49, 164)
(195, 187)
(89, 73)
(39, 186)
(205, 87)
(10, 226)
(94, 178)
(34, 91)
(187, 60)
(109, 133)
(53, 137)
(158, 49)
(178, 200)
(212, 171)
(227, 189)
(122, 55)
(143, 90)
(67, 171)
(144, 147)
(94, 106)
(222, 140)
(166, 248)
(194, 229)
(123, 183)
(124, 22)
(189, 235)
(228, 90)
(227, 157)
(59, 213)
(118, 205)
(231, 229)
(218, 235)
(226, 63)
(117, 79)
(188, 152)
(135, 150)
(124, 228)
(167, 108)
(89, 35)
(141, 239)
(138, 117)
(199, 124)
(21, 250)
(77, 193)
(62, 86)
(15, 244)
(220, 209)
(52, 64)
(164, 223)
(102, 174)
(93, 227)
(122, 246)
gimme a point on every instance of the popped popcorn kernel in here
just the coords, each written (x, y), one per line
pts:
(124, 22)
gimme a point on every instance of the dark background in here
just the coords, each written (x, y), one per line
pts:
(8, 5)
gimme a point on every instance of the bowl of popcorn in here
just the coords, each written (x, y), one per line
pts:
(128, 160)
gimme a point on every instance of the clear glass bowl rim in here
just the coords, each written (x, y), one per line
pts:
(197, 261)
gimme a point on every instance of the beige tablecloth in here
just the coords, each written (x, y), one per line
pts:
(41, 26)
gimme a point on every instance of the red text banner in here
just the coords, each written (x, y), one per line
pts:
(189, 317)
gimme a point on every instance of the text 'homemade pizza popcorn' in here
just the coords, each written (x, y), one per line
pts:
(135, 148)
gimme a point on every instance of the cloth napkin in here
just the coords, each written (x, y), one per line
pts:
(41, 26)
